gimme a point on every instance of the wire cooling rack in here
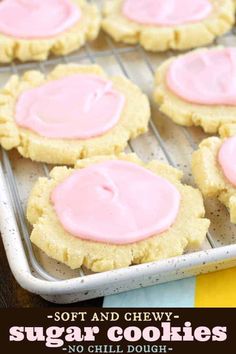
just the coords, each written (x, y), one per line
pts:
(164, 141)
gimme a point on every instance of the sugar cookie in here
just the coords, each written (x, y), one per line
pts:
(145, 230)
(159, 25)
(198, 88)
(57, 26)
(213, 166)
(73, 112)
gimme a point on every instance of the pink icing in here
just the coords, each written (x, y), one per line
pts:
(227, 159)
(166, 12)
(30, 19)
(115, 202)
(79, 106)
(205, 77)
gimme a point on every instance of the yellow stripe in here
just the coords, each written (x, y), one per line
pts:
(216, 289)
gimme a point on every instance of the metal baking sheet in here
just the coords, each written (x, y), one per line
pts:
(165, 141)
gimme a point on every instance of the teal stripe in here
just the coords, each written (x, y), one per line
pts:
(180, 293)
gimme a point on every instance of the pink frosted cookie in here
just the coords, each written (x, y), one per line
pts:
(74, 112)
(159, 25)
(214, 168)
(198, 88)
(110, 212)
(31, 29)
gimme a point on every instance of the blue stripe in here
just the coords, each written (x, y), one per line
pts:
(180, 293)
